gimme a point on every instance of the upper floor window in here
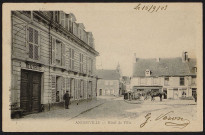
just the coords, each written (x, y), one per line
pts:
(166, 81)
(193, 81)
(106, 82)
(33, 43)
(89, 65)
(71, 58)
(62, 18)
(81, 62)
(181, 81)
(147, 72)
(58, 52)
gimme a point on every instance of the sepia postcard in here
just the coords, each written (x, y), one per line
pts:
(102, 67)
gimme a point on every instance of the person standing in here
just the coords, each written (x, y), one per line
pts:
(66, 97)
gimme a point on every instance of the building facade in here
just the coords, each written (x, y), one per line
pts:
(109, 82)
(174, 76)
(51, 54)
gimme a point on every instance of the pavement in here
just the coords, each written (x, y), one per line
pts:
(73, 111)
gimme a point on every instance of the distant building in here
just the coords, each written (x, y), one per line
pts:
(174, 76)
(51, 54)
(109, 82)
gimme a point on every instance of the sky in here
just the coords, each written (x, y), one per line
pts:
(120, 31)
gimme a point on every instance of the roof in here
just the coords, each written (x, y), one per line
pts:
(108, 74)
(165, 67)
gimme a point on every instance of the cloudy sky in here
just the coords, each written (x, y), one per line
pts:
(120, 31)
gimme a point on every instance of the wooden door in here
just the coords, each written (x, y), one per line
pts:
(30, 94)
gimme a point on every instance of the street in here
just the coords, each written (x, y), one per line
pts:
(119, 109)
(110, 110)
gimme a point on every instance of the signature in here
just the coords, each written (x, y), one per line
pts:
(172, 121)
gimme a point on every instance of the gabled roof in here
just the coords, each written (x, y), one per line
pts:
(165, 67)
(108, 74)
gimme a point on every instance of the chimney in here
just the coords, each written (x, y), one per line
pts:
(184, 57)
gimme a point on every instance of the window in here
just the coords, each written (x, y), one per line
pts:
(33, 43)
(106, 82)
(147, 72)
(89, 65)
(193, 81)
(58, 52)
(62, 18)
(166, 81)
(81, 62)
(181, 81)
(71, 59)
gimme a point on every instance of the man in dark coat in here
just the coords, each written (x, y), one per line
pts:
(66, 97)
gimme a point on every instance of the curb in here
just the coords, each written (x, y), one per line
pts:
(87, 110)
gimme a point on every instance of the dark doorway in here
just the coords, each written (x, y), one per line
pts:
(100, 92)
(165, 96)
(30, 93)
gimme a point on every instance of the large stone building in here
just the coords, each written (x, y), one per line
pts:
(174, 76)
(51, 54)
(109, 82)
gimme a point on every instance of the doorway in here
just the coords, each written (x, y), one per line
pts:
(100, 92)
(30, 91)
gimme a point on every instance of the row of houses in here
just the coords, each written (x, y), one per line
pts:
(174, 76)
(51, 54)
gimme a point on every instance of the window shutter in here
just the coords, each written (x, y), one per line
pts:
(79, 89)
(68, 88)
(53, 51)
(85, 89)
(63, 54)
(39, 45)
(69, 58)
(36, 46)
(80, 62)
(62, 18)
(27, 43)
(73, 59)
(66, 22)
(76, 89)
(30, 41)
(53, 88)
(63, 87)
